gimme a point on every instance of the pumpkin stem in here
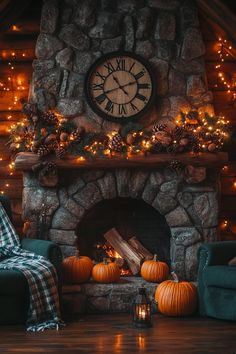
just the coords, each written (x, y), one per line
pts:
(155, 258)
(77, 254)
(105, 260)
(175, 277)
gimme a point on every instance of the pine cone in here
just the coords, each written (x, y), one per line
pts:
(158, 128)
(116, 143)
(156, 147)
(60, 152)
(43, 150)
(75, 136)
(179, 132)
(49, 118)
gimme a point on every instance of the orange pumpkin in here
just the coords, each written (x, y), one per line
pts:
(77, 269)
(176, 298)
(105, 272)
(154, 270)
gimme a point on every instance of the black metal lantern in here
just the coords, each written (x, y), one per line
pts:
(142, 310)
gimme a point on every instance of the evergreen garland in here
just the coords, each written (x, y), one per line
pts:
(49, 133)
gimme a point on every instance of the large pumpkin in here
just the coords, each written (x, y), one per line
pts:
(176, 298)
(154, 270)
(77, 269)
(105, 272)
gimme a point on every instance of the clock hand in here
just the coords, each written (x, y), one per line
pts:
(116, 88)
(121, 87)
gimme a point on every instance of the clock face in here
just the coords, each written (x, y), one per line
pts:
(120, 86)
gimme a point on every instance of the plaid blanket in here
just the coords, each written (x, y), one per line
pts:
(41, 276)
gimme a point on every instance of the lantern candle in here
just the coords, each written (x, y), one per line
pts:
(142, 310)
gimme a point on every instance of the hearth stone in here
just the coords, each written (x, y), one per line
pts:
(102, 298)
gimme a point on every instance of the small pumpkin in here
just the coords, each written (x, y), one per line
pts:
(176, 298)
(105, 272)
(154, 270)
(77, 269)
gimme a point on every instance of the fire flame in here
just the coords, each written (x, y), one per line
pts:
(114, 256)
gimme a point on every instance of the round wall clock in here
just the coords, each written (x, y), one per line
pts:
(120, 86)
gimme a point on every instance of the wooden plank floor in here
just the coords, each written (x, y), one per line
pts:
(115, 334)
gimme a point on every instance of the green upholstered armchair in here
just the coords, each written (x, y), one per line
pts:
(217, 280)
(14, 291)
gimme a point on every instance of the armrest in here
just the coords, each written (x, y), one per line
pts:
(209, 254)
(48, 249)
(216, 253)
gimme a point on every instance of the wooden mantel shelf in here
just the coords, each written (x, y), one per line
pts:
(25, 161)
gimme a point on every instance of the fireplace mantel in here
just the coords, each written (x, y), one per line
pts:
(25, 161)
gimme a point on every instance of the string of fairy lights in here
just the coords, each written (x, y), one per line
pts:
(13, 83)
(224, 52)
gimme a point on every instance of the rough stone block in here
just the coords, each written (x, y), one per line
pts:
(111, 45)
(63, 237)
(195, 86)
(69, 107)
(34, 197)
(129, 33)
(161, 68)
(74, 208)
(74, 37)
(107, 185)
(185, 236)
(85, 16)
(195, 66)
(107, 26)
(64, 220)
(206, 207)
(88, 196)
(177, 85)
(64, 58)
(122, 182)
(164, 203)
(83, 61)
(191, 262)
(47, 45)
(145, 21)
(49, 16)
(178, 217)
(163, 4)
(171, 188)
(193, 45)
(137, 182)
(152, 187)
(144, 48)
(164, 49)
(45, 100)
(165, 28)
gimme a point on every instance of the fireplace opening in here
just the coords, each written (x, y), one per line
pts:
(132, 219)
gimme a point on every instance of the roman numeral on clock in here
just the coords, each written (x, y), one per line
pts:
(109, 106)
(97, 87)
(141, 97)
(140, 74)
(122, 109)
(101, 98)
(134, 108)
(110, 68)
(98, 74)
(120, 64)
(143, 86)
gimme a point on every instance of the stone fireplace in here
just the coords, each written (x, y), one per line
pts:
(190, 210)
(74, 33)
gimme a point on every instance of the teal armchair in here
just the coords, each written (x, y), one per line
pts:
(217, 280)
(14, 291)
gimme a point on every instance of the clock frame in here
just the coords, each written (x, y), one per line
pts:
(120, 86)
